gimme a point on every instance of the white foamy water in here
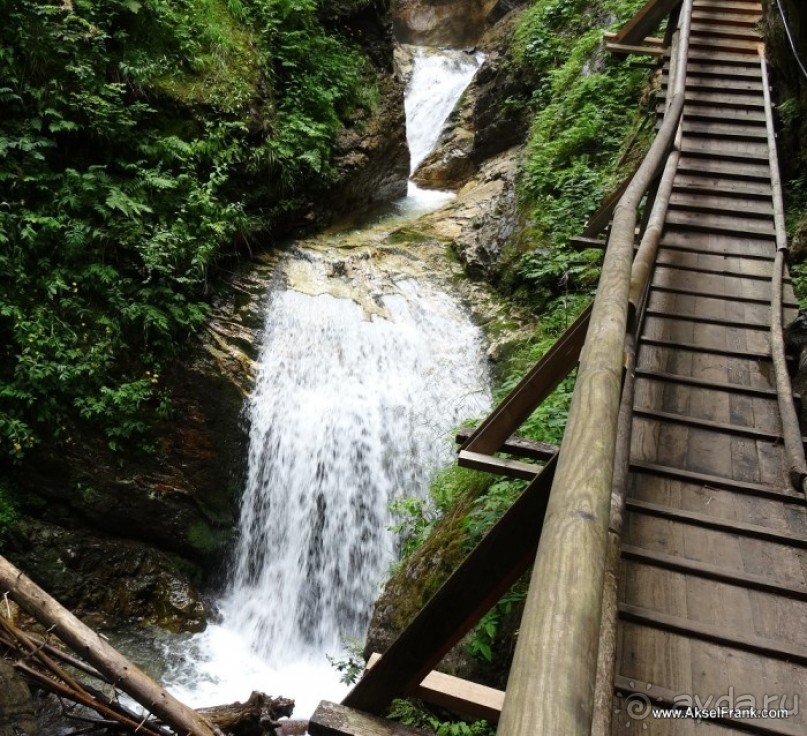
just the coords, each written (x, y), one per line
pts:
(349, 413)
(438, 79)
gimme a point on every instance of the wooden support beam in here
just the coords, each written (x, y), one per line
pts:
(645, 21)
(497, 465)
(464, 697)
(332, 719)
(622, 49)
(500, 559)
(708, 425)
(513, 445)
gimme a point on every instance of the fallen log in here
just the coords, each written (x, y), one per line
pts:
(258, 716)
(91, 647)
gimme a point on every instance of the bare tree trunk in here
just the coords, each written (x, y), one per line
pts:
(89, 646)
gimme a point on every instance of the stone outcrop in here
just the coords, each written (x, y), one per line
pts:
(454, 23)
(372, 156)
(16, 706)
(491, 116)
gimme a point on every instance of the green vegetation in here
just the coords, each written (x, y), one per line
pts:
(415, 714)
(140, 142)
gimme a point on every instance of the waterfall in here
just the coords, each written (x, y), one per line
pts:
(351, 410)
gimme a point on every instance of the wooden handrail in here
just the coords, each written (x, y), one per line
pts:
(794, 447)
(551, 685)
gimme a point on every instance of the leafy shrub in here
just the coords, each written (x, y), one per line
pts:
(139, 141)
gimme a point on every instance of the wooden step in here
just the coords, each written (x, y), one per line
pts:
(720, 223)
(720, 83)
(725, 71)
(700, 15)
(727, 31)
(723, 45)
(695, 183)
(742, 152)
(722, 6)
(730, 131)
(724, 58)
(721, 204)
(724, 99)
(737, 170)
(718, 244)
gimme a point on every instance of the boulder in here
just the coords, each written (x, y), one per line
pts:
(16, 705)
(491, 117)
(455, 23)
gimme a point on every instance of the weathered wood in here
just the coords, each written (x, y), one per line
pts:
(663, 697)
(794, 445)
(552, 680)
(520, 446)
(332, 719)
(716, 481)
(729, 526)
(502, 556)
(627, 49)
(498, 465)
(252, 718)
(456, 695)
(91, 647)
(645, 21)
(720, 427)
(704, 383)
(714, 572)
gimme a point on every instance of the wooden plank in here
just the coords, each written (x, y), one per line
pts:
(718, 185)
(664, 697)
(740, 170)
(739, 131)
(724, 57)
(727, 272)
(704, 479)
(332, 719)
(742, 152)
(497, 465)
(767, 393)
(707, 521)
(738, 19)
(726, 99)
(698, 348)
(502, 556)
(720, 427)
(464, 697)
(627, 49)
(657, 314)
(520, 446)
(583, 243)
(701, 111)
(722, 45)
(713, 634)
(718, 204)
(714, 572)
(728, 30)
(722, 83)
(720, 223)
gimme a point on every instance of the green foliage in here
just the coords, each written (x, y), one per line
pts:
(139, 141)
(8, 512)
(415, 714)
(585, 108)
(350, 664)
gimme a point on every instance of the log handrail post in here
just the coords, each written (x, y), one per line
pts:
(551, 685)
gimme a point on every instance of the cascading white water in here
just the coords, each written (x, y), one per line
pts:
(350, 411)
(438, 79)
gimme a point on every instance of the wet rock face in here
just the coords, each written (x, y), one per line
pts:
(491, 117)
(115, 578)
(455, 23)
(16, 706)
